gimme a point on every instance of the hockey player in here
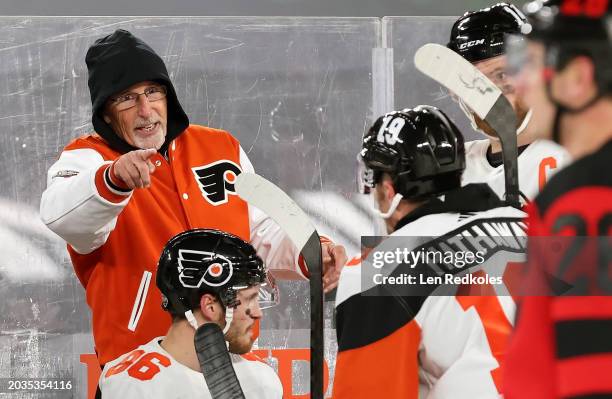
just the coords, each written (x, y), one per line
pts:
(562, 347)
(205, 276)
(480, 38)
(452, 346)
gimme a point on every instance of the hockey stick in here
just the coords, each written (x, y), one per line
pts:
(273, 201)
(215, 363)
(482, 96)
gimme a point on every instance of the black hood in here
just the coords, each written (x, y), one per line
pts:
(118, 61)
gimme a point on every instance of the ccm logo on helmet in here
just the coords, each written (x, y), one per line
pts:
(191, 264)
(472, 43)
(216, 180)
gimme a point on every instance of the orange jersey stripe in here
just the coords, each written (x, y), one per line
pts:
(387, 368)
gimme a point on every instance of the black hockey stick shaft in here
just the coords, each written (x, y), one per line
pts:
(215, 363)
(312, 256)
(502, 119)
(273, 201)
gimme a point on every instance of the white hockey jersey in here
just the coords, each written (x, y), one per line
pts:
(536, 164)
(434, 347)
(149, 372)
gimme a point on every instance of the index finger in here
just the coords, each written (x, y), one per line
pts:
(146, 154)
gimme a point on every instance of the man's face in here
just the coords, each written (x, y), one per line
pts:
(495, 69)
(240, 334)
(531, 86)
(144, 124)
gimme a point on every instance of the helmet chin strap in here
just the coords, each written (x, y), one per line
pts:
(561, 110)
(466, 110)
(394, 203)
(556, 133)
(525, 122)
(191, 319)
(229, 316)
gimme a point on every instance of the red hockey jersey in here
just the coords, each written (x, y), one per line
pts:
(562, 346)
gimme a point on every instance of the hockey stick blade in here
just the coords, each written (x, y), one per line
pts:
(273, 201)
(482, 96)
(215, 363)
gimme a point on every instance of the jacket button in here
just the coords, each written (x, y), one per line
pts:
(158, 163)
(185, 196)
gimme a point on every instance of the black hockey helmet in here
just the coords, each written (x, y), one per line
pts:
(202, 261)
(420, 148)
(570, 28)
(479, 35)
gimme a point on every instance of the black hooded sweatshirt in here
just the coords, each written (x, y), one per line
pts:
(118, 61)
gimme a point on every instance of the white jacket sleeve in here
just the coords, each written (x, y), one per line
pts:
(271, 243)
(455, 356)
(72, 206)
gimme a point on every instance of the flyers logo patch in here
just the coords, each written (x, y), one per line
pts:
(201, 267)
(216, 180)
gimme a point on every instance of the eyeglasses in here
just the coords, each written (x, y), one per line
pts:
(129, 100)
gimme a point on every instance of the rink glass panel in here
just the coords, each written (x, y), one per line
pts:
(297, 93)
(411, 88)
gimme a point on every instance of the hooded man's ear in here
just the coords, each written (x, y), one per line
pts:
(104, 113)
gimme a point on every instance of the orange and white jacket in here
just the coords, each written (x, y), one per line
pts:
(434, 347)
(115, 237)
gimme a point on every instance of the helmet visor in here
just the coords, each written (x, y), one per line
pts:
(517, 54)
(269, 294)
